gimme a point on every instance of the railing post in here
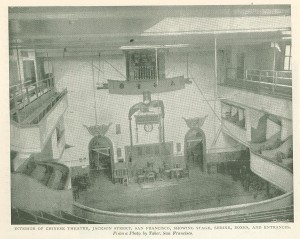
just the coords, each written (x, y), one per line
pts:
(53, 81)
(245, 78)
(273, 85)
(27, 95)
(48, 84)
(235, 75)
(259, 80)
(16, 107)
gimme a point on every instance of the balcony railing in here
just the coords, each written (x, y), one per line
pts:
(31, 134)
(38, 116)
(277, 83)
(24, 94)
(143, 73)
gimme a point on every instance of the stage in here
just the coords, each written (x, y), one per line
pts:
(198, 191)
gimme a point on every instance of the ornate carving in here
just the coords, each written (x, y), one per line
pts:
(196, 122)
(97, 130)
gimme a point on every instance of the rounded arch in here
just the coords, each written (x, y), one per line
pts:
(196, 133)
(100, 141)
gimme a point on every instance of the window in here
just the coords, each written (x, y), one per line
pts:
(119, 152)
(240, 66)
(141, 65)
(118, 129)
(234, 114)
(178, 146)
(29, 71)
(288, 58)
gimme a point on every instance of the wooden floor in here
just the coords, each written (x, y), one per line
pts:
(199, 191)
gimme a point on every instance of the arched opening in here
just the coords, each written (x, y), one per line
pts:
(195, 149)
(101, 154)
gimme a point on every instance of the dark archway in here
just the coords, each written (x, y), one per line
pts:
(195, 148)
(101, 154)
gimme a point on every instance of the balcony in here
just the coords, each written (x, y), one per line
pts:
(32, 133)
(268, 82)
(271, 171)
(236, 132)
(27, 96)
(42, 186)
(137, 87)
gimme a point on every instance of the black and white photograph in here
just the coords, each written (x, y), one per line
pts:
(156, 114)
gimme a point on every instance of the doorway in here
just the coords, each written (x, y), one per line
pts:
(29, 71)
(195, 149)
(101, 155)
(240, 66)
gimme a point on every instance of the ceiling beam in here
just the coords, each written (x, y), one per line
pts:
(47, 13)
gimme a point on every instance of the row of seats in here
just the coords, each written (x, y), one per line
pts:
(47, 174)
(21, 216)
(284, 214)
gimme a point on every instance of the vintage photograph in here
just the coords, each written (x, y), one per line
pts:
(151, 114)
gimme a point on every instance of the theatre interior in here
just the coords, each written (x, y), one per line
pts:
(151, 114)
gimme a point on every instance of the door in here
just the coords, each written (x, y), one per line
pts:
(240, 65)
(29, 71)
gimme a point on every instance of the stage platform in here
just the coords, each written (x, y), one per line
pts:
(199, 191)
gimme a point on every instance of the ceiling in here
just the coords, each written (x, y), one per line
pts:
(109, 28)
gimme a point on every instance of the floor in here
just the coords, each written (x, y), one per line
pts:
(197, 192)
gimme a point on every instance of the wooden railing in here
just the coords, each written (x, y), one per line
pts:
(38, 116)
(199, 215)
(143, 73)
(22, 95)
(31, 134)
(25, 117)
(277, 83)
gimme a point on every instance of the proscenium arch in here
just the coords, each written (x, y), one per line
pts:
(203, 136)
(109, 142)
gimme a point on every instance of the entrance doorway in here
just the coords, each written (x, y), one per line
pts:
(195, 148)
(101, 154)
(29, 71)
(240, 66)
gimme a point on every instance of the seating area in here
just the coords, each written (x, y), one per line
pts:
(21, 216)
(80, 183)
(279, 151)
(275, 215)
(233, 114)
(277, 83)
(24, 217)
(52, 175)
